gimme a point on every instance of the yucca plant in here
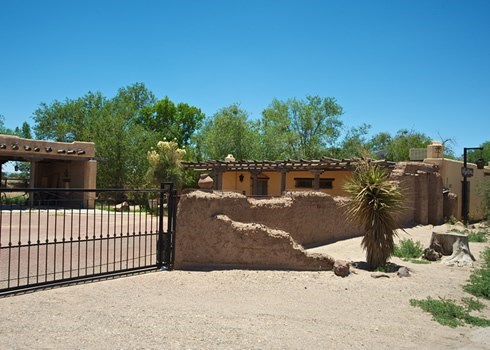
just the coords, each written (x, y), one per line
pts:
(374, 200)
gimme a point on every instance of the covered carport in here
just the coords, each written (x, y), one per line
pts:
(56, 165)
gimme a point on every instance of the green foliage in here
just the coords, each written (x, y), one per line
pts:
(474, 155)
(479, 236)
(373, 201)
(172, 122)
(448, 313)
(408, 249)
(123, 129)
(303, 128)
(354, 143)
(228, 132)
(16, 200)
(379, 144)
(479, 283)
(398, 148)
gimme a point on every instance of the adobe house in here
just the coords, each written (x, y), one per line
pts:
(54, 164)
(451, 174)
(273, 178)
(433, 184)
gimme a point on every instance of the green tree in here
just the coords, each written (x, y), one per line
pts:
(112, 124)
(355, 143)
(379, 144)
(276, 134)
(308, 126)
(23, 167)
(172, 121)
(399, 147)
(3, 129)
(473, 156)
(122, 143)
(373, 201)
(228, 131)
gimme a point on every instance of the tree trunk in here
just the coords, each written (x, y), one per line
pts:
(453, 246)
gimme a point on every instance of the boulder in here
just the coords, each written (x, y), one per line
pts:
(431, 254)
(341, 268)
(403, 272)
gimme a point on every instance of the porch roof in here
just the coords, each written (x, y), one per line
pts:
(322, 164)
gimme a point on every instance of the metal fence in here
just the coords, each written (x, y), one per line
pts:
(56, 236)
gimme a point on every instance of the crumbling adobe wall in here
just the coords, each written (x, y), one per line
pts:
(225, 229)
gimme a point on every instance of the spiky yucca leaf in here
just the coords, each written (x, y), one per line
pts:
(374, 200)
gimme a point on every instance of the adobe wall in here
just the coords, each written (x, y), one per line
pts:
(225, 229)
(422, 188)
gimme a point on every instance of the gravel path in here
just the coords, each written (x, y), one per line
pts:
(240, 309)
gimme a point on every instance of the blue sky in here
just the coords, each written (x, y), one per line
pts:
(418, 64)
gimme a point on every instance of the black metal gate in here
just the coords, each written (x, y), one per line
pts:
(58, 236)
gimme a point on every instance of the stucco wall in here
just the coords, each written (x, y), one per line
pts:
(450, 171)
(225, 229)
(231, 181)
(422, 188)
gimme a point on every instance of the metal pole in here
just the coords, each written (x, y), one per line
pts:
(464, 204)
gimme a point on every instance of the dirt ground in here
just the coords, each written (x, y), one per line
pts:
(245, 309)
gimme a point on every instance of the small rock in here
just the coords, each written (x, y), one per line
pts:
(341, 268)
(379, 274)
(431, 254)
(403, 272)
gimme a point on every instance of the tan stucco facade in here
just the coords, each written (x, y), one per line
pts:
(452, 180)
(54, 164)
(271, 182)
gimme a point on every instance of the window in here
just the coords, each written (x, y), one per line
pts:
(304, 182)
(326, 183)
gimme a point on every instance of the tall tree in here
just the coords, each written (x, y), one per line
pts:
(276, 134)
(309, 126)
(228, 131)
(473, 156)
(172, 122)
(355, 143)
(379, 144)
(121, 143)
(399, 147)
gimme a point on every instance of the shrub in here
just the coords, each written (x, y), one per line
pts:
(480, 236)
(408, 249)
(448, 313)
(479, 283)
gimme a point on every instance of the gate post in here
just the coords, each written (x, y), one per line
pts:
(160, 242)
(164, 244)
